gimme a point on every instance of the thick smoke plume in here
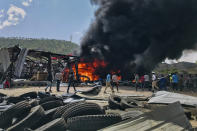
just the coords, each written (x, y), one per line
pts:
(135, 35)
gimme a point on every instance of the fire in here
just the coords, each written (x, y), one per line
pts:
(86, 70)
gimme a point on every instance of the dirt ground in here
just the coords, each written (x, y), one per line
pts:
(122, 90)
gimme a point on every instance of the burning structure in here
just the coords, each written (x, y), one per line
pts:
(135, 35)
(92, 70)
(37, 65)
(87, 70)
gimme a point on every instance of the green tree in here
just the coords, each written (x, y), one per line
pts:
(52, 45)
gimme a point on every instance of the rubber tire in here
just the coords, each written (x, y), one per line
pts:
(43, 94)
(52, 104)
(5, 107)
(36, 114)
(82, 109)
(19, 118)
(45, 119)
(92, 122)
(1, 99)
(62, 109)
(55, 125)
(130, 114)
(14, 111)
(34, 103)
(115, 102)
(93, 91)
(14, 100)
(28, 129)
(51, 112)
(47, 99)
(32, 95)
(2, 95)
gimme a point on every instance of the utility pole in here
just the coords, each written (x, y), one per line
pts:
(71, 37)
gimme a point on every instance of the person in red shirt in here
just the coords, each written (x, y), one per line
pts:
(142, 82)
(6, 84)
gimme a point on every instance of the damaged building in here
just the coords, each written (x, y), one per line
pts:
(33, 65)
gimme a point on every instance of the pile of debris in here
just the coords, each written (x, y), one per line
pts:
(47, 112)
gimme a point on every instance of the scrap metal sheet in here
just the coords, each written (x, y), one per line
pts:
(20, 62)
(5, 58)
(164, 97)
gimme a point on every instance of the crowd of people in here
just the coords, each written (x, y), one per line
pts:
(112, 82)
(153, 82)
(58, 78)
(174, 81)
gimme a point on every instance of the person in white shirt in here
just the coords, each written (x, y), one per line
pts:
(154, 82)
(147, 80)
(115, 81)
(58, 77)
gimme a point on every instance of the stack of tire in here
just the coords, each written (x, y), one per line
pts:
(43, 112)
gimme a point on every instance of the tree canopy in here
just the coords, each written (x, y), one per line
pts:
(52, 45)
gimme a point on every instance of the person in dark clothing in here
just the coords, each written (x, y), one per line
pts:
(181, 83)
(49, 83)
(100, 81)
(163, 83)
(71, 81)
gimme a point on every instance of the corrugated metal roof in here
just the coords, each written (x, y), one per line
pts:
(164, 97)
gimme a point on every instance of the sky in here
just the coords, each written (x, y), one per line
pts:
(53, 19)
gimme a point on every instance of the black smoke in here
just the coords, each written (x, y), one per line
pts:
(135, 35)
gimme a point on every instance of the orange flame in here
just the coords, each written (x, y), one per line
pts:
(87, 70)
